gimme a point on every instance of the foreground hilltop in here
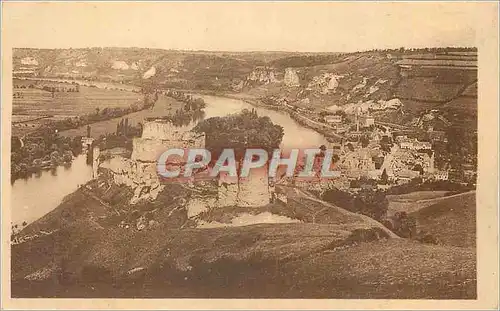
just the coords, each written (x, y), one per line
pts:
(95, 244)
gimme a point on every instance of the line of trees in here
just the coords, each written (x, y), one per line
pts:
(47, 150)
(374, 204)
(240, 131)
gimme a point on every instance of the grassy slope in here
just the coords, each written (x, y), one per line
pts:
(416, 196)
(342, 256)
(39, 102)
(163, 107)
(388, 269)
(379, 269)
(451, 220)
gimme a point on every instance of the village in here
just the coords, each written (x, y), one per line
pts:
(368, 149)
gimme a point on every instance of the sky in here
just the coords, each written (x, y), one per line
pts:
(241, 26)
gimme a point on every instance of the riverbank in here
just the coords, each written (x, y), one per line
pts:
(320, 128)
(97, 84)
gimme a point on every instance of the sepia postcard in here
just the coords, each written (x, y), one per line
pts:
(250, 155)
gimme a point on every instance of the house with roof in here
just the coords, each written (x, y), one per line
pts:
(333, 119)
(441, 175)
(366, 121)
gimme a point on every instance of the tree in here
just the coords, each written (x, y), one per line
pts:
(15, 143)
(341, 113)
(240, 131)
(365, 141)
(384, 178)
(405, 225)
(339, 198)
(386, 144)
(372, 203)
(419, 168)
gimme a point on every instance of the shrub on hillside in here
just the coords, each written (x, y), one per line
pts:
(425, 237)
(240, 131)
(439, 185)
(367, 202)
(403, 225)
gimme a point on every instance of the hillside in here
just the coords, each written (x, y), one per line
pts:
(96, 243)
(452, 220)
(92, 245)
(180, 69)
(396, 86)
(103, 205)
(415, 201)
(379, 269)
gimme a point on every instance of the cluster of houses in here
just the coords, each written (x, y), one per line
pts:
(412, 143)
(406, 158)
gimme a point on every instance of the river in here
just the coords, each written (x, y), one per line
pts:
(34, 197)
(39, 194)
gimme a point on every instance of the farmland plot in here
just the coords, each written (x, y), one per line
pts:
(40, 102)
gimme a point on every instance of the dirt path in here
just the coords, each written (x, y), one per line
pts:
(340, 210)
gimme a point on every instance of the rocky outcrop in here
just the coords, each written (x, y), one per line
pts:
(367, 106)
(291, 78)
(325, 83)
(360, 85)
(142, 178)
(254, 190)
(158, 136)
(263, 75)
(120, 65)
(238, 85)
(81, 63)
(134, 66)
(29, 61)
(148, 74)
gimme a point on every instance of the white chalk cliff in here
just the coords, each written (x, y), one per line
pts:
(151, 72)
(291, 78)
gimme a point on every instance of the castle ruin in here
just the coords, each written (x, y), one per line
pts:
(140, 171)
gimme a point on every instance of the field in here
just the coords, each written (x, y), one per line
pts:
(415, 201)
(164, 106)
(39, 102)
(31, 107)
(452, 220)
(415, 196)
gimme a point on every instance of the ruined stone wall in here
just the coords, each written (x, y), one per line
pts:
(163, 130)
(141, 177)
(149, 149)
(254, 189)
(291, 78)
(96, 151)
(251, 191)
